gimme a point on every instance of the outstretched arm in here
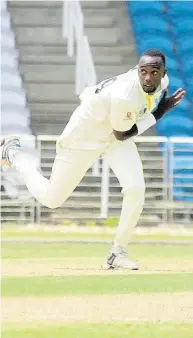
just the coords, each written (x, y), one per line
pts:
(165, 105)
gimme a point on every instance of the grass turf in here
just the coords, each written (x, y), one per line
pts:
(107, 330)
(117, 284)
(58, 250)
(97, 233)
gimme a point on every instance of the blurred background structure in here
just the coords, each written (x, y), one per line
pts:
(53, 49)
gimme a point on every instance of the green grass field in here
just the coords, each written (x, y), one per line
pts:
(109, 330)
(56, 290)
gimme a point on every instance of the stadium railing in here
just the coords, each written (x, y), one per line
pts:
(99, 196)
(77, 44)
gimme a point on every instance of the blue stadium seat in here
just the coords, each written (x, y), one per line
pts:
(184, 106)
(154, 41)
(154, 25)
(174, 74)
(189, 94)
(175, 83)
(170, 126)
(184, 149)
(182, 26)
(183, 174)
(135, 7)
(184, 44)
(181, 193)
(188, 68)
(172, 64)
(191, 89)
(188, 58)
(184, 40)
(180, 7)
(181, 110)
(151, 28)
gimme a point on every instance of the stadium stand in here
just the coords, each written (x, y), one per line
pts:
(168, 25)
(48, 77)
(180, 16)
(15, 115)
(48, 73)
(13, 97)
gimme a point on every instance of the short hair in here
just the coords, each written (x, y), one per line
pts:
(155, 52)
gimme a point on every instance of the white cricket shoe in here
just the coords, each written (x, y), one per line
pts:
(7, 143)
(118, 259)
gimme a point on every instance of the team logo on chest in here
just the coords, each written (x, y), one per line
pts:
(128, 116)
(143, 111)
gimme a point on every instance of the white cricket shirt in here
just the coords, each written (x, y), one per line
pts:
(119, 103)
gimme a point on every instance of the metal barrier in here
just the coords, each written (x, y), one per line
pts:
(73, 31)
(180, 178)
(98, 195)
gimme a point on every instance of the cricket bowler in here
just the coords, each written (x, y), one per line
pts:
(110, 114)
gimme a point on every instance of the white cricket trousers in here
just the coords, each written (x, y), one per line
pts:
(69, 168)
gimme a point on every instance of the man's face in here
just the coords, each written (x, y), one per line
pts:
(151, 71)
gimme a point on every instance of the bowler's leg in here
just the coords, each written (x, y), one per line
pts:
(69, 167)
(126, 164)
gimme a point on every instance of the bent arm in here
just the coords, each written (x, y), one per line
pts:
(140, 126)
(137, 129)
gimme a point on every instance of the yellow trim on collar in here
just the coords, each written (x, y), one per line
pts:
(148, 99)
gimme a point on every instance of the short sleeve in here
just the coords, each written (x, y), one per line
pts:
(122, 114)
